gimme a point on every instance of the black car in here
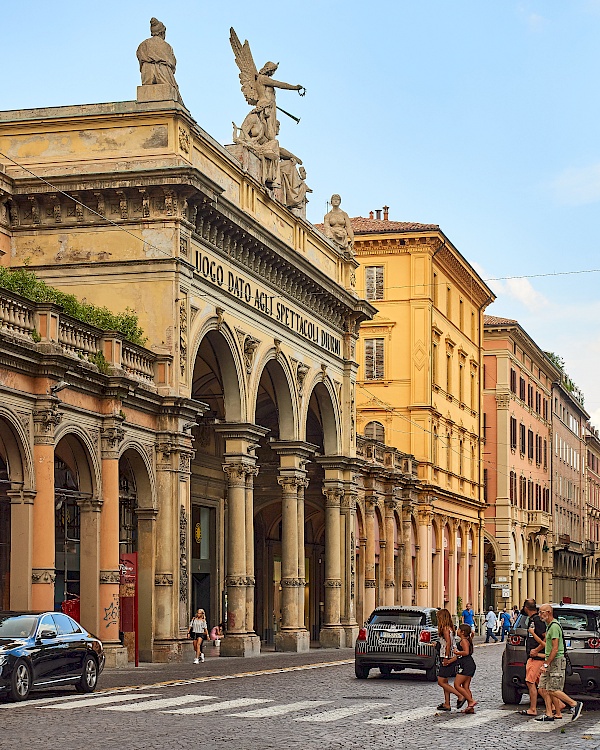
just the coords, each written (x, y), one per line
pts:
(581, 628)
(396, 638)
(46, 650)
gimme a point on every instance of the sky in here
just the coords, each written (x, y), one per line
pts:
(481, 116)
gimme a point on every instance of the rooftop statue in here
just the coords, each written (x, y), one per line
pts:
(258, 86)
(338, 226)
(156, 58)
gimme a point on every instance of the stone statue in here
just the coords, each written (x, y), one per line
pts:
(293, 184)
(258, 86)
(252, 135)
(338, 226)
(156, 58)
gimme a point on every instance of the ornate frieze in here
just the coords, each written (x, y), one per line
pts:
(46, 417)
(183, 566)
(43, 575)
(183, 336)
(163, 579)
(334, 583)
(110, 576)
(236, 581)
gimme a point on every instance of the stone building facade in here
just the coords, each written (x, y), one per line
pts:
(592, 500)
(518, 455)
(419, 389)
(571, 548)
(222, 455)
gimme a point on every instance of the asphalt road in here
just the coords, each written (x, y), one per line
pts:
(281, 701)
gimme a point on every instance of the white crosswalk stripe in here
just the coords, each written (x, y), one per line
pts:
(101, 700)
(261, 713)
(531, 725)
(405, 716)
(342, 713)
(221, 706)
(477, 719)
(161, 703)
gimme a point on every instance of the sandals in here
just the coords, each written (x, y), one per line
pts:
(461, 703)
(524, 712)
(470, 710)
(441, 707)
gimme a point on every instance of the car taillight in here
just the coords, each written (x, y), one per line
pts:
(362, 634)
(425, 636)
(593, 642)
(516, 640)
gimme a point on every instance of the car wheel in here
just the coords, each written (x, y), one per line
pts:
(361, 672)
(511, 695)
(431, 674)
(387, 671)
(20, 681)
(89, 676)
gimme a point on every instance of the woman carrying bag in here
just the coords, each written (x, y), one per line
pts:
(198, 632)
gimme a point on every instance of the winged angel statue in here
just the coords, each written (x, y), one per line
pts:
(258, 86)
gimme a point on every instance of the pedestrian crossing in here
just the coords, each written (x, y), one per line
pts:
(306, 711)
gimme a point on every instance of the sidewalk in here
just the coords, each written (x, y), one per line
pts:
(148, 674)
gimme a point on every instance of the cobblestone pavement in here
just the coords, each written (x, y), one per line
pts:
(280, 701)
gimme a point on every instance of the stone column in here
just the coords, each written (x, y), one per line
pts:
(21, 547)
(539, 585)
(108, 573)
(390, 507)
(464, 571)
(349, 588)
(407, 584)
(424, 555)
(332, 634)
(370, 585)
(146, 546)
(302, 485)
(547, 586)
(45, 419)
(452, 575)
(250, 578)
(362, 591)
(530, 582)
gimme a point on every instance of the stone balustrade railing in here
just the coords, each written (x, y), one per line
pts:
(375, 452)
(46, 324)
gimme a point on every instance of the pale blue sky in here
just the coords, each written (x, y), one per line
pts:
(481, 116)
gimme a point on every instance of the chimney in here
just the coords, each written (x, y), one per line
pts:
(386, 213)
(378, 214)
(370, 214)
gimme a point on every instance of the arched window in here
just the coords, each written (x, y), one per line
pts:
(375, 431)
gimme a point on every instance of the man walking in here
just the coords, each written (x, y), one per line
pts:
(468, 617)
(534, 648)
(552, 678)
(504, 622)
(490, 623)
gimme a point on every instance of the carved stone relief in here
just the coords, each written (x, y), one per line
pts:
(183, 566)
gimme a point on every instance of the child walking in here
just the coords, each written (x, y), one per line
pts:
(466, 668)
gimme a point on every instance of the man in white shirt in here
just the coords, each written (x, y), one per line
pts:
(490, 623)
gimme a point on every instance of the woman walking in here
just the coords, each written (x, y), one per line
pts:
(447, 659)
(466, 668)
(199, 633)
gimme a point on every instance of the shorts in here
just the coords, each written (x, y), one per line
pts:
(448, 671)
(195, 636)
(467, 666)
(533, 670)
(554, 677)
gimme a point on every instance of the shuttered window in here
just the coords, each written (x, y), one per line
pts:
(373, 359)
(375, 431)
(374, 282)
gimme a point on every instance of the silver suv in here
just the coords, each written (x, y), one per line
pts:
(396, 638)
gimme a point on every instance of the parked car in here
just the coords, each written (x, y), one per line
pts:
(397, 638)
(581, 627)
(44, 650)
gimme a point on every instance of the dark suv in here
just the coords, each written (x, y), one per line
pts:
(581, 627)
(394, 638)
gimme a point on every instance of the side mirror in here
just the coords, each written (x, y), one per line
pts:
(47, 634)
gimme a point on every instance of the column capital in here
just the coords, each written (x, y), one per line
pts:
(237, 470)
(333, 495)
(46, 417)
(112, 435)
(290, 482)
(90, 504)
(21, 497)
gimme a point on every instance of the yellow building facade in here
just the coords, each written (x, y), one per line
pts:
(419, 389)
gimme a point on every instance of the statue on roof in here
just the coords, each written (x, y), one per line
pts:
(338, 227)
(258, 86)
(156, 58)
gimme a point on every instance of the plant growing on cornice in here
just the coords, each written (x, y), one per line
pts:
(26, 283)
(100, 361)
(567, 382)
(556, 360)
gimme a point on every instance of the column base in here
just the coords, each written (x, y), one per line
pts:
(351, 633)
(244, 644)
(115, 655)
(292, 640)
(333, 637)
(170, 650)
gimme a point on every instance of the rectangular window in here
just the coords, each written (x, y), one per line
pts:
(473, 331)
(485, 427)
(461, 315)
(434, 364)
(374, 359)
(461, 383)
(448, 303)
(374, 282)
(538, 402)
(545, 409)
(530, 445)
(513, 381)
(513, 434)
(448, 373)
(435, 290)
(522, 439)
(538, 450)
(545, 454)
(530, 396)
(513, 487)
(485, 484)
(522, 389)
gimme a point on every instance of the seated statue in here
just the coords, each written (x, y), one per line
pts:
(156, 58)
(338, 226)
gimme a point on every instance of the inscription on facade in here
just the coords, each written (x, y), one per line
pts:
(252, 294)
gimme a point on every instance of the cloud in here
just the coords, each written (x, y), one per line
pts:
(578, 186)
(534, 21)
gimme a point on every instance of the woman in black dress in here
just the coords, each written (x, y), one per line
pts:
(466, 667)
(447, 659)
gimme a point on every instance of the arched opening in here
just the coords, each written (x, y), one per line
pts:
(4, 531)
(73, 485)
(379, 558)
(375, 431)
(489, 568)
(359, 534)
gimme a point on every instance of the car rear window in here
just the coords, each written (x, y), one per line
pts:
(574, 620)
(16, 626)
(397, 618)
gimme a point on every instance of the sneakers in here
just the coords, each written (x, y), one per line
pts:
(544, 717)
(196, 661)
(201, 657)
(576, 710)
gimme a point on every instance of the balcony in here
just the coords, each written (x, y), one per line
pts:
(374, 452)
(538, 521)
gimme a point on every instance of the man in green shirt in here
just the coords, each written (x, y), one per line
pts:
(552, 677)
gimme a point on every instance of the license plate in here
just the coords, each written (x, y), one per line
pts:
(391, 634)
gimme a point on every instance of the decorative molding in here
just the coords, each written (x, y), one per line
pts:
(183, 336)
(183, 566)
(237, 581)
(302, 371)
(250, 347)
(46, 417)
(335, 583)
(163, 579)
(110, 576)
(369, 584)
(43, 575)
(184, 140)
